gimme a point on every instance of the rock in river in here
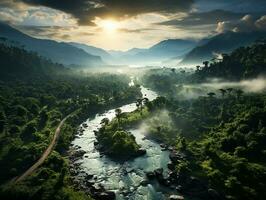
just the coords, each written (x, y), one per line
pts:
(158, 172)
(150, 175)
(176, 197)
(108, 195)
(141, 152)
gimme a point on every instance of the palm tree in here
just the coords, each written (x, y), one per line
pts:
(206, 63)
(239, 93)
(229, 90)
(211, 94)
(198, 67)
(118, 113)
(225, 56)
(145, 100)
(105, 121)
(223, 91)
(173, 70)
(139, 104)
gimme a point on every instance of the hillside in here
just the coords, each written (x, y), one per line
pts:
(222, 43)
(163, 50)
(243, 63)
(35, 95)
(93, 50)
(56, 51)
(27, 65)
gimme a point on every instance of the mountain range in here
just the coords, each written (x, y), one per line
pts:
(167, 52)
(222, 43)
(93, 50)
(163, 50)
(59, 52)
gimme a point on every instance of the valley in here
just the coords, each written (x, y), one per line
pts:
(132, 100)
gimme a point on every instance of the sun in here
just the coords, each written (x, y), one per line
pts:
(109, 25)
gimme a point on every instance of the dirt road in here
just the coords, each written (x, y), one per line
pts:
(45, 154)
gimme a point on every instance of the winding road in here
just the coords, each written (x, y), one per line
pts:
(45, 154)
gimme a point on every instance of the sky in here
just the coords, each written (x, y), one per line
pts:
(126, 24)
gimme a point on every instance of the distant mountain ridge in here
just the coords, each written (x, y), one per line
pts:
(95, 51)
(222, 43)
(56, 51)
(19, 64)
(163, 50)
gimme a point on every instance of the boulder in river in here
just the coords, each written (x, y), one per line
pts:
(89, 183)
(89, 176)
(176, 197)
(77, 154)
(150, 175)
(141, 152)
(84, 125)
(107, 195)
(171, 166)
(144, 183)
(179, 188)
(160, 177)
(175, 157)
(158, 172)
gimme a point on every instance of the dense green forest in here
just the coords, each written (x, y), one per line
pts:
(243, 63)
(216, 135)
(35, 95)
(219, 136)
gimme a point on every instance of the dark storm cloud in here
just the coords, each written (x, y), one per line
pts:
(232, 5)
(204, 18)
(86, 10)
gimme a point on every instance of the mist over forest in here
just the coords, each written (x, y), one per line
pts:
(132, 100)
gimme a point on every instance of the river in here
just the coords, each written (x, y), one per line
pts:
(125, 179)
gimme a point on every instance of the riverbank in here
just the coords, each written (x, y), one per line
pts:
(98, 173)
(159, 174)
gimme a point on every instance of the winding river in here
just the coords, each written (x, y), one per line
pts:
(125, 179)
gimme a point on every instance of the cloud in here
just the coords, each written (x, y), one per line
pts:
(203, 18)
(10, 12)
(142, 30)
(261, 23)
(247, 23)
(60, 33)
(243, 6)
(17, 12)
(43, 31)
(87, 10)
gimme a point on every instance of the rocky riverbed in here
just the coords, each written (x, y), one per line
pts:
(150, 176)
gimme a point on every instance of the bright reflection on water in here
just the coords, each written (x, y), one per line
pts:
(123, 178)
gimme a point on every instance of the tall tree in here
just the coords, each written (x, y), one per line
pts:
(211, 94)
(223, 91)
(118, 113)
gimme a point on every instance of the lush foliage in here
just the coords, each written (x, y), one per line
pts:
(243, 63)
(35, 95)
(221, 132)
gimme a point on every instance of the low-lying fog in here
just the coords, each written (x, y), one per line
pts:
(195, 90)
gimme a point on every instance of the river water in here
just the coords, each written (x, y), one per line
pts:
(125, 179)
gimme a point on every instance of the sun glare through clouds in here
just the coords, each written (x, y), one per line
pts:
(109, 26)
